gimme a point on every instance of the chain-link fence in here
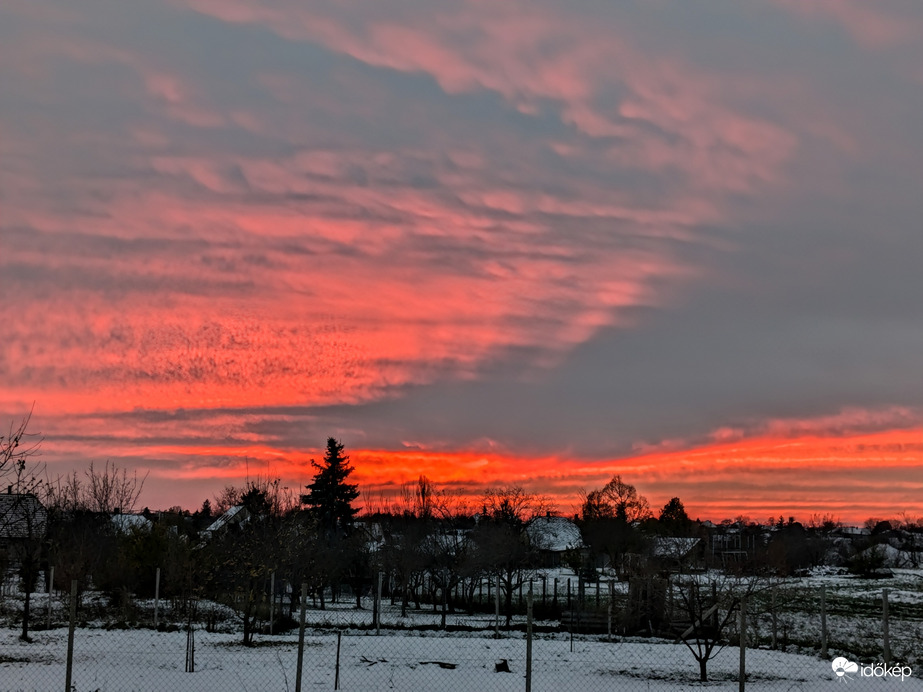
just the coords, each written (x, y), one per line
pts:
(656, 633)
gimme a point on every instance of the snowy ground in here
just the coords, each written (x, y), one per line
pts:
(139, 658)
(113, 660)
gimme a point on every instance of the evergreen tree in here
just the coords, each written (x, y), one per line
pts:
(330, 496)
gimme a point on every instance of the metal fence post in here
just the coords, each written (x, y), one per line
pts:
(304, 602)
(775, 621)
(272, 600)
(497, 607)
(336, 680)
(742, 673)
(529, 640)
(823, 621)
(378, 606)
(50, 594)
(156, 596)
(885, 634)
(70, 637)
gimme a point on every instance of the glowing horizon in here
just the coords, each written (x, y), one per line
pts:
(512, 242)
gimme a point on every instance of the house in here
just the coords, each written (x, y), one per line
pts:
(554, 537)
(236, 515)
(22, 517)
(677, 553)
(126, 523)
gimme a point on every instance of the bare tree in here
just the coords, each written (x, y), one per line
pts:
(502, 541)
(104, 491)
(710, 606)
(22, 515)
(625, 501)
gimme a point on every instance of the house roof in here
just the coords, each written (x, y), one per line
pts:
(235, 515)
(673, 546)
(126, 522)
(556, 534)
(21, 516)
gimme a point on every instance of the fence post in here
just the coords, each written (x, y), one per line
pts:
(885, 634)
(70, 637)
(497, 607)
(823, 621)
(50, 593)
(190, 646)
(336, 680)
(272, 599)
(775, 620)
(378, 606)
(742, 673)
(529, 640)
(609, 612)
(304, 603)
(156, 596)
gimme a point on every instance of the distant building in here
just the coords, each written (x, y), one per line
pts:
(553, 537)
(22, 517)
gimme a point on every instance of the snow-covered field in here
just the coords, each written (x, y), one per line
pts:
(115, 660)
(410, 654)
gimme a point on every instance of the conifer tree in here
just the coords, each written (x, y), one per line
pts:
(330, 496)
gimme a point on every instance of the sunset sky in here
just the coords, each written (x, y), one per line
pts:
(534, 243)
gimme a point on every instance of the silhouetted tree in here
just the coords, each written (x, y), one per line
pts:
(673, 518)
(329, 495)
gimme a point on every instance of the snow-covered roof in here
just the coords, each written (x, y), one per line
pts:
(556, 534)
(124, 523)
(235, 515)
(673, 546)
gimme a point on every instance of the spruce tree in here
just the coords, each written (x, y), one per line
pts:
(330, 496)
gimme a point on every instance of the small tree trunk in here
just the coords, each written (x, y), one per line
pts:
(703, 670)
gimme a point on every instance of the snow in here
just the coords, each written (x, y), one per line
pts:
(414, 658)
(126, 522)
(556, 534)
(111, 660)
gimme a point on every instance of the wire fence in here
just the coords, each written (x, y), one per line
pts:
(650, 634)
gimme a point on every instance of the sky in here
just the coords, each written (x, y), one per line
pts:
(496, 243)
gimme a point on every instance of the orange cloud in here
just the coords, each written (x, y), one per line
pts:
(851, 476)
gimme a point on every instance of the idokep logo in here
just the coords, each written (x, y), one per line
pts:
(845, 669)
(842, 667)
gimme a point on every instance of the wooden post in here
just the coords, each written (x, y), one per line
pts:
(742, 672)
(554, 598)
(885, 633)
(529, 640)
(304, 603)
(568, 594)
(70, 638)
(156, 596)
(597, 592)
(544, 588)
(611, 599)
(823, 621)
